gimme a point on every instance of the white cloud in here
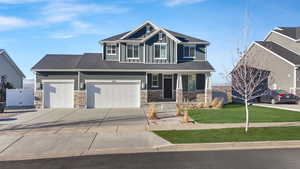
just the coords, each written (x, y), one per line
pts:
(18, 1)
(67, 11)
(77, 28)
(181, 2)
(8, 22)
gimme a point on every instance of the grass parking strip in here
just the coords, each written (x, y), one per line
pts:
(230, 135)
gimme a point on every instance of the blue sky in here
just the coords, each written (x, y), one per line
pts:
(29, 29)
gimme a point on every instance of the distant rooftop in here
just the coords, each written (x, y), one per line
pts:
(292, 32)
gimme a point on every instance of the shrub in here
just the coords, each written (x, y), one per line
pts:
(220, 105)
(200, 105)
(152, 112)
(215, 102)
(179, 110)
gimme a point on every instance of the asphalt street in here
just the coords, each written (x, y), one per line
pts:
(238, 159)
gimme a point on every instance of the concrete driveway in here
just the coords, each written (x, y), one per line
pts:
(64, 118)
(68, 132)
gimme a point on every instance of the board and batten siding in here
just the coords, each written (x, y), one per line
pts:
(111, 57)
(284, 42)
(282, 78)
(150, 50)
(200, 53)
(124, 57)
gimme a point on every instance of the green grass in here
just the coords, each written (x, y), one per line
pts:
(235, 113)
(231, 135)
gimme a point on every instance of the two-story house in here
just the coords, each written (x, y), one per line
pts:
(147, 64)
(280, 54)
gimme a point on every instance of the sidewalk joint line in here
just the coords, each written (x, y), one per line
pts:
(92, 141)
(12, 144)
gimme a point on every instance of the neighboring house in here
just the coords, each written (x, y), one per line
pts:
(280, 54)
(147, 64)
(8, 68)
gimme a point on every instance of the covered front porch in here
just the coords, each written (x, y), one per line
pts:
(178, 86)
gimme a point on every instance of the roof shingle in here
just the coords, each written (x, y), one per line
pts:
(292, 32)
(281, 51)
(93, 61)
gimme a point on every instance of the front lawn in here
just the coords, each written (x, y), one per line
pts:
(235, 113)
(231, 135)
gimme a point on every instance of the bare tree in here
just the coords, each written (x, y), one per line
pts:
(249, 80)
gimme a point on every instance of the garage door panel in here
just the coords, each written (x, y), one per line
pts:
(58, 95)
(113, 94)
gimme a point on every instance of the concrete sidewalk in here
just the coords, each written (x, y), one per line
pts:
(203, 126)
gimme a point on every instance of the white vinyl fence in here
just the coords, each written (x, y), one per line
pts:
(19, 97)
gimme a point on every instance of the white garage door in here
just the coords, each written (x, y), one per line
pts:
(58, 94)
(118, 94)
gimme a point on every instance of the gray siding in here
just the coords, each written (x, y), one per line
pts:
(282, 72)
(111, 57)
(298, 78)
(124, 57)
(13, 76)
(171, 50)
(200, 53)
(140, 33)
(57, 75)
(113, 76)
(284, 42)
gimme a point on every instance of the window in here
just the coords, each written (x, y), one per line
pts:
(111, 49)
(133, 51)
(160, 36)
(190, 51)
(148, 29)
(155, 80)
(189, 82)
(160, 51)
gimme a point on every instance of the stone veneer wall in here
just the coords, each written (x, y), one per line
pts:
(79, 99)
(224, 92)
(38, 99)
(155, 95)
(196, 96)
(144, 97)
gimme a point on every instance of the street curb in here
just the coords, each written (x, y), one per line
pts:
(168, 148)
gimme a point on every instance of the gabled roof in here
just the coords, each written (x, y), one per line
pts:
(282, 52)
(292, 32)
(93, 62)
(180, 38)
(8, 58)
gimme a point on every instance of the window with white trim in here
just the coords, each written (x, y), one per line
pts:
(160, 36)
(160, 51)
(189, 51)
(154, 80)
(111, 49)
(148, 29)
(133, 51)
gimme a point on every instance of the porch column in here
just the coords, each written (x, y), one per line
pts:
(208, 90)
(179, 93)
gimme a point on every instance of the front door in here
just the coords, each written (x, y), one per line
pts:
(168, 86)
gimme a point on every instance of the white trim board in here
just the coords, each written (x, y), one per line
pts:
(58, 80)
(111, 81)
(273, 53)
(118, 70)
(273, 31)
(140, 27)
